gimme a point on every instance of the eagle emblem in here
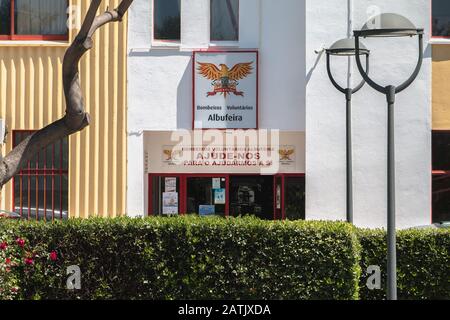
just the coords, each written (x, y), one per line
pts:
(168, 154)
(225, 80)
(172, 155)
(285, 155)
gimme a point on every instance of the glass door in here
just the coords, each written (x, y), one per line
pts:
(252, 195)
(294, 197)
(165, 195)
(206, 196)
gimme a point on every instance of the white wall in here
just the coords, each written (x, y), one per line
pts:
(282, 56)
(325, 125)
(160, 89)
(160, 77)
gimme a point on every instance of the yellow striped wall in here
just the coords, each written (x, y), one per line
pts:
(31, 96)
(441, 87)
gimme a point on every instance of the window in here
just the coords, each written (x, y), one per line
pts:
(267, 197)
(441, 176)
(441, 151)
(204, 195)
(441, 18)
(165, 195)
(166, 20)
(5, 21)
(252, 195)
(33, 20)
(224, 20)
(41, 187)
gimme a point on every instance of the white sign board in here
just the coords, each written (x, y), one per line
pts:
(226, 90)
(170, 203)
(220, 196)
(165, 151)
(171, 184)
(216, 183)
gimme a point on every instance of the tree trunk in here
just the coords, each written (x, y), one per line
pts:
(76, 118)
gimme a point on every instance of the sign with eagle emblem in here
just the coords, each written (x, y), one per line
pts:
(225, 90)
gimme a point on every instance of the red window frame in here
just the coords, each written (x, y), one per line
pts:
(33, 37)
(282, 179)
(28, 172)
(277, 214)
(238, 25)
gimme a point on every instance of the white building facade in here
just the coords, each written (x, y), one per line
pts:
(290, 161)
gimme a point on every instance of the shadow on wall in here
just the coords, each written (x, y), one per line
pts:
(184, 99)
(311, 71)
(184, 86)
(438, 53)
(428, 52)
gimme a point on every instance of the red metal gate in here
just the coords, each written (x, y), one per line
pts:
(40, 189)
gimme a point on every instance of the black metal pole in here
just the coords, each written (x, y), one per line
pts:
(390, 92)
(349, 165)
(348, 97)
(391, 229)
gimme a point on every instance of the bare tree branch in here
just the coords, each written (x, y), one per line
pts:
(76, 118)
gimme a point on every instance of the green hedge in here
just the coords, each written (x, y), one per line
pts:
(192, 258)
(195, 258)
(423, 263)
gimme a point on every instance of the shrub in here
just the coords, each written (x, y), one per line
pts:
(210, 258)
(193, 258)
(18, 258)
(423, 263)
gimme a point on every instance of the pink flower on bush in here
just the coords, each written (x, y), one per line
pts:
(8, 261)
(53, 256)
(20, 242)
(29, 261)
(3, 245)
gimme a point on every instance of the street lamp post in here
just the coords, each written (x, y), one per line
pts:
(346, 48)
(390, 25)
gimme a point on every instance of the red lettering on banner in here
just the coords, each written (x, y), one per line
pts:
(225, 91)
